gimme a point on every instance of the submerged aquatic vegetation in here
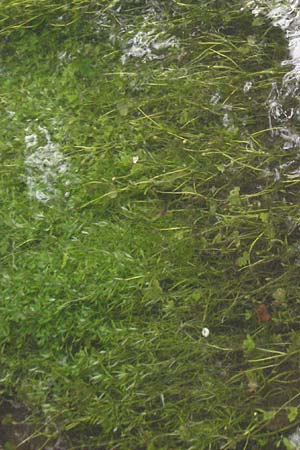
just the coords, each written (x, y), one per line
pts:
(131, 308)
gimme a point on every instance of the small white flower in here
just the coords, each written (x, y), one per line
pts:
(135, 159)
(205, 332)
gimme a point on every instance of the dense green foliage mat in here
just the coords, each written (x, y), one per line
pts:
(140, 204)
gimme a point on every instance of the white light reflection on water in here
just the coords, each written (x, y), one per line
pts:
(283, 102)
(148, 45)
(143, 37)
(286, 15)
(45, 165)
(294, 438)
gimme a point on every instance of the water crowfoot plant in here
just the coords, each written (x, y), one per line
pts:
(156, 305)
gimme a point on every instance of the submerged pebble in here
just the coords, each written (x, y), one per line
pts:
(205, 332)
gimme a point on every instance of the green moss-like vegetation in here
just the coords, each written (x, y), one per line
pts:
(164, 217)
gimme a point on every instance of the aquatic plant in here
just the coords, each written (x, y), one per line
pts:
(150, 297)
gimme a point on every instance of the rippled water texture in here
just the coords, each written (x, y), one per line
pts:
(284, 100)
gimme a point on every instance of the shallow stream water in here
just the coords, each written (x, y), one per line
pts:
(48, 175)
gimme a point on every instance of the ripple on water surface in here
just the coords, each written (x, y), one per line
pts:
(283, 102)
